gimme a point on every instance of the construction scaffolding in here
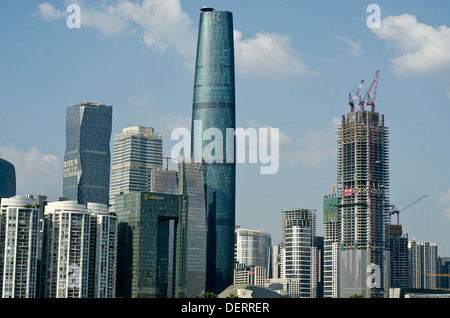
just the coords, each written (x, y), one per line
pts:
(363, 180)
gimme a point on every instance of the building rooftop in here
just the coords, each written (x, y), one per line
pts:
(250, 291)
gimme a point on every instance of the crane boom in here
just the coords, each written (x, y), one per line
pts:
(394, 209)
(371, 101)
(352, 99)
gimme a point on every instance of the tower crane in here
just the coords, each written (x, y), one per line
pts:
(394, 209)
(371, 101)
(352, 99)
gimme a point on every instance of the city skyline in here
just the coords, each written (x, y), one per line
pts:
(320, 52)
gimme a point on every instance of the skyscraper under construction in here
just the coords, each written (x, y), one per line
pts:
(363, 177)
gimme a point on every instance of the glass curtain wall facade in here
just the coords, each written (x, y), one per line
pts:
(146, 250)
(169, 182)
(7, 179)
(87, 157)
(214, 111)
(196, 230)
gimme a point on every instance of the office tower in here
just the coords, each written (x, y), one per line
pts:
(137, 149)
(423, 264)
(363, 177)
(146, 251)
(7, 179)
(87, 156)
(444, 281)
(196, 232)
(299, 264)
(169, 181)
(19, 219)
(164, 181)
(253, 247)
(80, 243)
(319, 260)
(398, 250)
(213, 113)
(252, 257)
(331, 245)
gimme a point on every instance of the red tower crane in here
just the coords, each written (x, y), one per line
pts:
(371, 101)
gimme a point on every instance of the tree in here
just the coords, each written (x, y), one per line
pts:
(209, 295)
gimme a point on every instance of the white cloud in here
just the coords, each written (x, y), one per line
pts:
(49, 12)
(35, 171)
(445, 201)
(423, 49)
(268, 54)
(163, 24)
(355, 47)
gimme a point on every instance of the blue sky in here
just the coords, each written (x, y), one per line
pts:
(296, 62)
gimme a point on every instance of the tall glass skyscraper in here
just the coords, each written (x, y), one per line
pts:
(190, 178)
(214, 111)
(7, 179)
(87, 158)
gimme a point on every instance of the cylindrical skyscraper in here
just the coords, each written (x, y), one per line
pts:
(213, 118)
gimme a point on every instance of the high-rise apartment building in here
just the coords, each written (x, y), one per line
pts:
(363, 178)
(19, 219)
(137, 150)
(79, 248)
(214, 112)
(87, 156)
(299, 258)
(423, 264)
(7, 179)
